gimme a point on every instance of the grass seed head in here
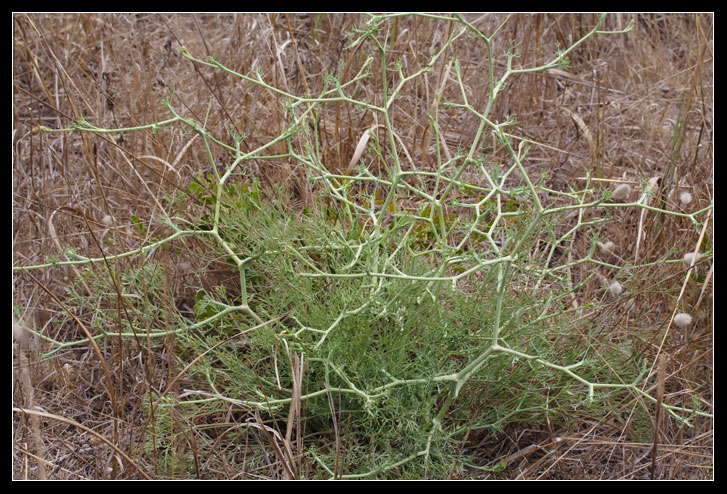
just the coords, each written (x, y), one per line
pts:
(606, 247)
(20, 335)
(689, 256)
(621, 192)
(682, 319)
(615, 289)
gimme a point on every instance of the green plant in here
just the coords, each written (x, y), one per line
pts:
(414, 297)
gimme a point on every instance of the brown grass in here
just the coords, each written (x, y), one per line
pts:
(656, 87)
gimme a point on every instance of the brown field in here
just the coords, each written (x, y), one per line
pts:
(630, 108)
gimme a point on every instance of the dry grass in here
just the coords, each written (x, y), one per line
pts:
(656, 88)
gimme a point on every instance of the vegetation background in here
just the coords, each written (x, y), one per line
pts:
(628, 109)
